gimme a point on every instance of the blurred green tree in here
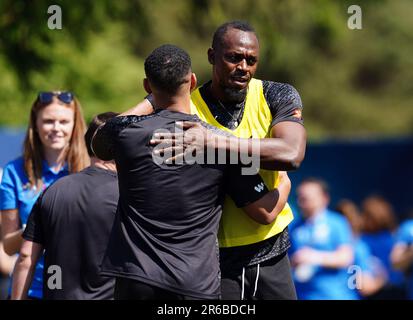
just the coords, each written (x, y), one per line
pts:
(352, 82)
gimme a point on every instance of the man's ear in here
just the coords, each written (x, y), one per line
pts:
(193, 81)
(211, 56)
(147, 86)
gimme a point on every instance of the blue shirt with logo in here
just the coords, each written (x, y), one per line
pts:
(15, 193)
(405, 236)
(326, 231)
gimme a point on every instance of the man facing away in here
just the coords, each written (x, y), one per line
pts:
(72, 221)
(164, 241)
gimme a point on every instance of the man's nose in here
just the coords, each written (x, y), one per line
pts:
(243, 65)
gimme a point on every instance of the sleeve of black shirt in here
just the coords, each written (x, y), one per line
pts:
(284, 102)
(34, 227)
(244, 189)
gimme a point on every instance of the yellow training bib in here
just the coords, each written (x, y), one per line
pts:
(236, 228)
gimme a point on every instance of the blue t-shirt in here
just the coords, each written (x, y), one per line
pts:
(381, 244)
(405, 236)
(362, 255)
(15, 194)
(368, 263)
(327, 231)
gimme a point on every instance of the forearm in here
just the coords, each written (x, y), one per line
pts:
(284, 189)
(369, 284)
(403, 259)
(277, 154)
(12, 242)
(404, 263)
(336, 259)
(273, 153)
(22, 277)
(142, 108)
(269, 210)
(6, 262)
(266, 209)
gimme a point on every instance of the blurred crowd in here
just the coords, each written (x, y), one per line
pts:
(349, 253)
(352, 252)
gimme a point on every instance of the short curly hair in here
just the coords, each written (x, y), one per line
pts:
(167, 66)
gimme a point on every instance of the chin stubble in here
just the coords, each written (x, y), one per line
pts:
(235, 95)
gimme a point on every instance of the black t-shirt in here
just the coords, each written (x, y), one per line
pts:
(72, 220)
(285, 104)
(165, 233)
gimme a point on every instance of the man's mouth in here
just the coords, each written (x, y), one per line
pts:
(240, 80)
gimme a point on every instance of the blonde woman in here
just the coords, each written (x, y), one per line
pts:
(54, 147)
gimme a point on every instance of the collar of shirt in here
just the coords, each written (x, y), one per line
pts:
(49, 170)
(176, 115)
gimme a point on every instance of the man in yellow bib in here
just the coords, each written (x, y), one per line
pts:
(264, 116)
(254, 263)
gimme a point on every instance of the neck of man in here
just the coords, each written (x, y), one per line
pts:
(55, 158)
(180, 102)
(106, 165)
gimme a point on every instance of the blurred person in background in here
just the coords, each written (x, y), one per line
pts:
(6, 264)
(6, 267)
(402, 253)
(72, 218)
(53, 147)
(378, 232)
(370, 272)
(321, 249)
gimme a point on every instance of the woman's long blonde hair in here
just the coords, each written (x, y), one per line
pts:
(33, 153)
